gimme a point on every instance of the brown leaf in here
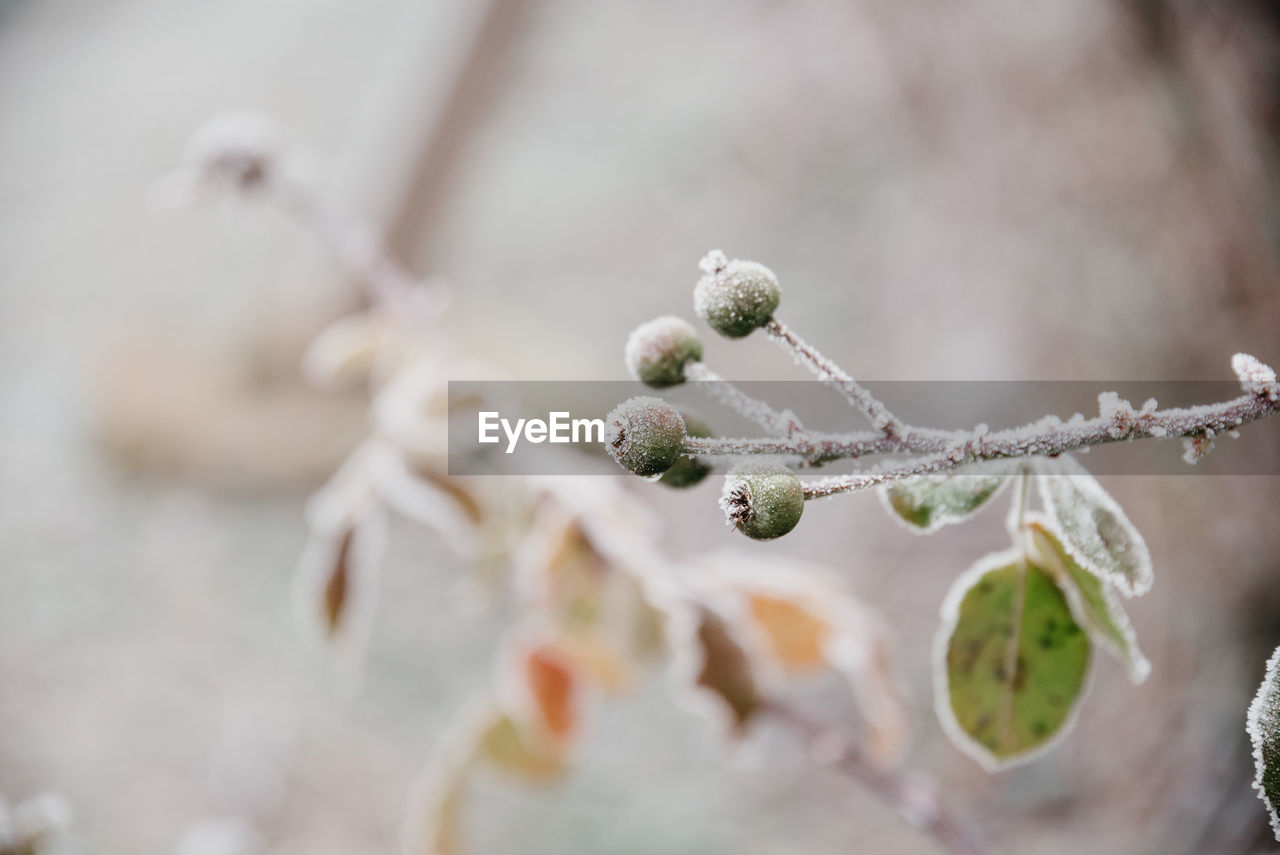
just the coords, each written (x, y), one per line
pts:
(338, 583)
(726, 669)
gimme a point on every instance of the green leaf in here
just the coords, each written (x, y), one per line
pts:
(1093, 601)
(928, 503)
(1264, 730)
(1011, 663)
(1095, 531)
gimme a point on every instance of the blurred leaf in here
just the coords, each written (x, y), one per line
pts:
(1095, 605)
(726, 669)
(1264, 731)
(1012, 661)
(930, 502)
(552, 689)
(592, 658)
(519, 752)
(338, 582)
(442, 834)
(344, 353)
(796, 636)
(1095, 531)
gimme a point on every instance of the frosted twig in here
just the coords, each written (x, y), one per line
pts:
(913, 797)
(812, 447)
(828, 372)
(1048, 437)
(783, 423)
(838, 484)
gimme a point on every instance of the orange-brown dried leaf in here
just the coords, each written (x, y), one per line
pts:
(552, 688)
(796, 636)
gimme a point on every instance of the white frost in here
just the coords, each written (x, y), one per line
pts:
(1256, 377)
(1095, 531)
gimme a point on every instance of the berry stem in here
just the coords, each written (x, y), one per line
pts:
(717, 388)
(828, 372)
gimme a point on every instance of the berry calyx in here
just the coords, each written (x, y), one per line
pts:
(762, 500)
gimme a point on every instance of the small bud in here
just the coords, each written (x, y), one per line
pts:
(1256, 378)
(762, 500)
(687, 471)
(237, 150)
(735, 297)
(645, 435)
(656, 352)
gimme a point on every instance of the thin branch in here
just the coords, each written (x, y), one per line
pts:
(812, 447)
(913, 797)
(717, 388)
(839, 484)
(828, 372)
(1048, 437)
(358, 246)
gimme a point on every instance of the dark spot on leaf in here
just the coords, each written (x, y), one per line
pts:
(335, 588)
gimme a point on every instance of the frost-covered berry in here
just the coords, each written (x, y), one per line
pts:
(645, 435)
(762, 500)
(657, 351)
(735, 297)
(687, 471)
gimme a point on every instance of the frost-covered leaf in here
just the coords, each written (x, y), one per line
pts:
(1094, 603)
(928, 503)
(1264, 730)
(336, 587)
(592, 658)
(552, 688)
(344, 352)
(800, 619)
(1094, 530)
(1011, 663)
(444, 834)
(796, 635)
(724, 670)
(521, 751)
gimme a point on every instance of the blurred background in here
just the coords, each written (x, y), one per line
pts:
(985, 190)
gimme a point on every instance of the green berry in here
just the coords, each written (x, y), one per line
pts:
(687, 471)
(656, 352)
(762, 500)
(645, 435)
(735, 297)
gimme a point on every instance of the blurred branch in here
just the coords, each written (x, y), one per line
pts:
(914, 797)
